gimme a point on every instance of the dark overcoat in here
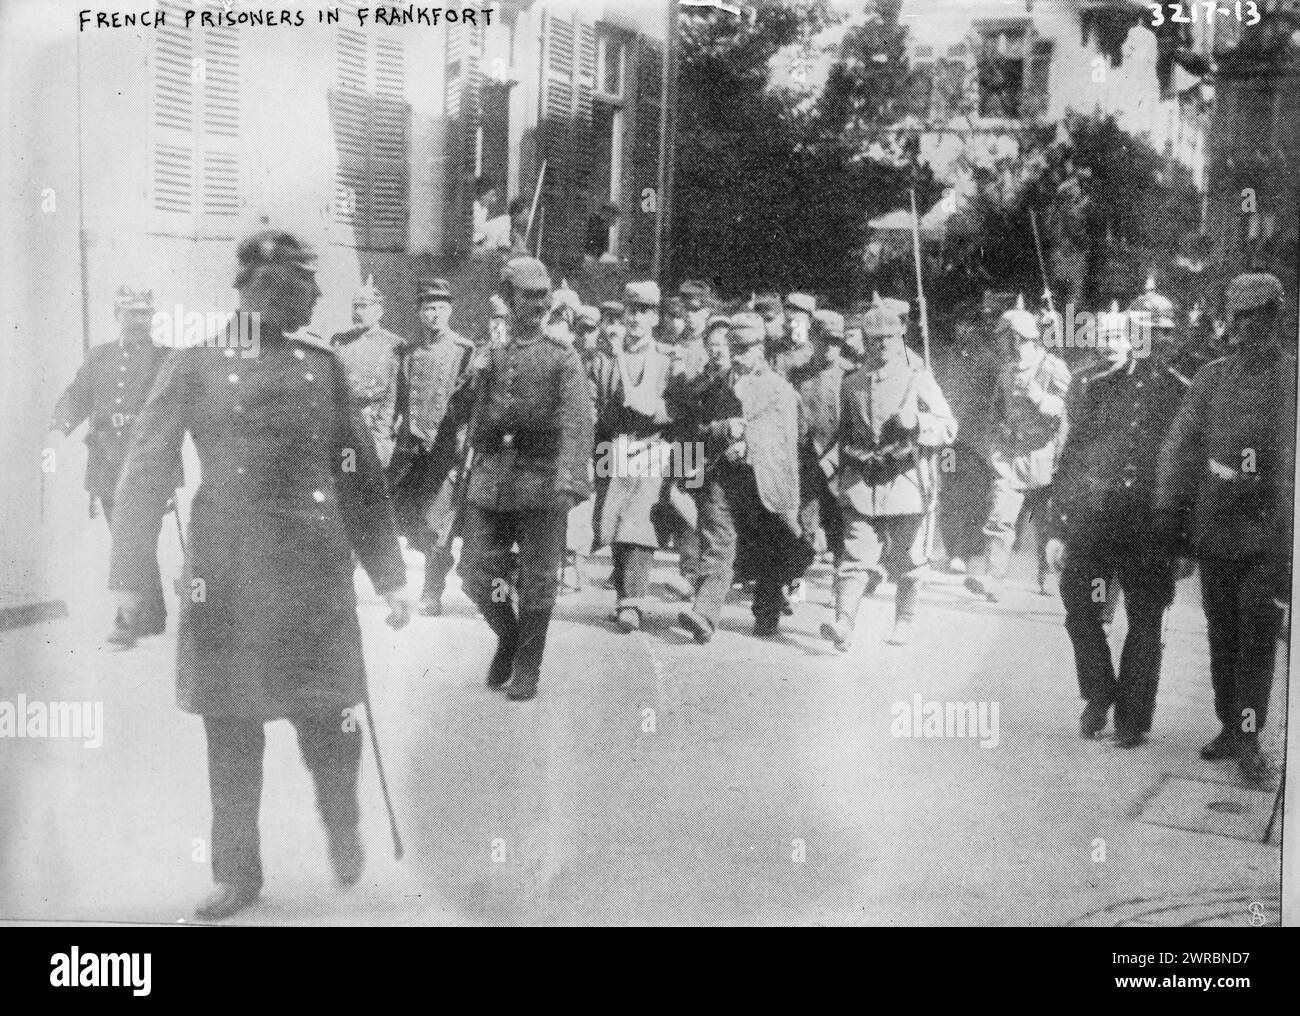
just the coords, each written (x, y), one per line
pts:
(291, 488)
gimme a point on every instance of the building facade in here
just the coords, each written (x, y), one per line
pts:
(144, 154)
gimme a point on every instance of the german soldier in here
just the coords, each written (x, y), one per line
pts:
(108, 391)
(891, 412)
(1102, 500)
(531, 435)
(291, 490)
(421, 473)
(370, 356)
(1024, 424)
(818, 386)
(750, 427)
(1227, 474)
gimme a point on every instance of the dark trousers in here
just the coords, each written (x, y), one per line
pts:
(821, 510)
(1148, 582)
(963, 503)
(235, 749)
(730, 508)
(1243, 622)
(153, 605)
(631, 574)
(487, 560)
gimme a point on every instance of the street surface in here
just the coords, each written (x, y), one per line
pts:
(652, 781)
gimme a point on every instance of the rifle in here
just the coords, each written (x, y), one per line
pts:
(929, 492)
(1042, 266)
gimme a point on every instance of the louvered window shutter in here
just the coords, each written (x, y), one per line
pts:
(1033, 104)
(194, 183)
(645, 155)
(557, 140)
(463, 90)
(371, 122)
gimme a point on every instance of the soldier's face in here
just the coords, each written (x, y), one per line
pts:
(678, 325)
(882, 349)
(497, 329)
(1254, 327)
(641, 321)
(854, 344)
(719, 350)
(698, 318)
(435, 314)
(745, 359)
(774, 321)
(300, 301)
(367, 314)
(136, 323)
(612, 329)
(530, 306)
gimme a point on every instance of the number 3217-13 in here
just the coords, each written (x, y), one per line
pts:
(1246, 12)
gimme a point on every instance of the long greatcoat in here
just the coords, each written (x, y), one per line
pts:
(291, 488)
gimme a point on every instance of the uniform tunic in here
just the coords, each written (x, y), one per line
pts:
(1103, 492)
(370, 361)
(291, 489)
(108, 390)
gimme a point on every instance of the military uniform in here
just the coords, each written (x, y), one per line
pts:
(750, 498)
(818, 386)
(270, 629)
(1102, 503)
(1226, 483)
(1024, 423)
(531, 435)
(370, 362)
(886, 478)
(107, 393)
(430, 416)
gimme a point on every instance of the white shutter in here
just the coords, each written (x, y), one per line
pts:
(194, 131)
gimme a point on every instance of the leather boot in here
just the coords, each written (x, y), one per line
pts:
(226, 900)
(501, 619)
(528, 656)
(347, 855)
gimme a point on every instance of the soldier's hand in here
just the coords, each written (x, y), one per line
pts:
(1054, 553)
(399, 611)
(907, 418)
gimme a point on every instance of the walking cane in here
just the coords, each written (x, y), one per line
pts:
(379, 765)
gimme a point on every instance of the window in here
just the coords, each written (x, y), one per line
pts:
(611, 55)
(371, 118)
(194, 130)
(1012, 70)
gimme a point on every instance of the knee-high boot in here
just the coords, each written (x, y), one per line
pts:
(528, 655)
(505, 625)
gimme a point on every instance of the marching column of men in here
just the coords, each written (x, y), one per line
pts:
(812, 429)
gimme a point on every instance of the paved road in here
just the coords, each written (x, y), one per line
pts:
(653, 780)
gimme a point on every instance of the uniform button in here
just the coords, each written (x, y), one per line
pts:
(233, 379)
(229, 353)
(299, 354)
(318, 496)
(121, 384)
(122, 368)
(118, 401)
(309, 376)
(240, 470)
(238, 408)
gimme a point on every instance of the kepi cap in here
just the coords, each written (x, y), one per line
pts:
(588, 315)
(642, 294)
(747, 329)
(614, 307)
(877, 321)
(527, 274)
(801, 301)
(431, 290)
